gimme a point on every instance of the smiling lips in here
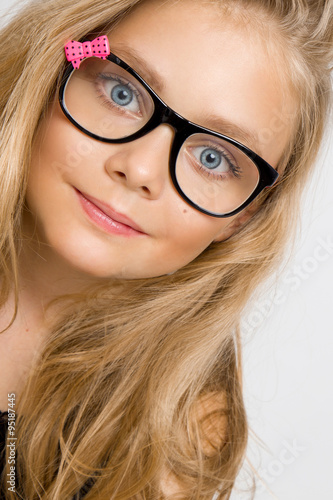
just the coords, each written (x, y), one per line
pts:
(106, 218)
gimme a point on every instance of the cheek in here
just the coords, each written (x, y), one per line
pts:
(54, 161)
(49, 159)
(60, 149)
(189, 232)
(61, 156)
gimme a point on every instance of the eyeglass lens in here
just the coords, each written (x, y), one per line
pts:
(109, 102)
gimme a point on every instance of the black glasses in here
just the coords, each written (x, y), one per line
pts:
(109, 101)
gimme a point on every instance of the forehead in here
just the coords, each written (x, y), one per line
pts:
(211, 70)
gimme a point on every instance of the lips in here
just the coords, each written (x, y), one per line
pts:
(92, 206)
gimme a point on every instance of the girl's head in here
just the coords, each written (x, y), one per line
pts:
(235, 67)
(136, 358)
(208, 69)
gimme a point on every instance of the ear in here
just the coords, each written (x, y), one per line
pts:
(237, 221)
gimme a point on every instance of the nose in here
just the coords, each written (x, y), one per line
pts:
(142, 165)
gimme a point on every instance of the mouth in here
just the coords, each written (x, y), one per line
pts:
(107, 218)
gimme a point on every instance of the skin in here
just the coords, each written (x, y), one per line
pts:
(64, 250)
(176, 40)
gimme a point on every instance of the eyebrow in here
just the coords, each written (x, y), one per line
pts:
(141, 67)
(245, 136)
(213, 122)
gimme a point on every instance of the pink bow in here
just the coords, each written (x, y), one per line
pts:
(76, 51)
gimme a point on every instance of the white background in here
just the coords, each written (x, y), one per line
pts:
(288, 358)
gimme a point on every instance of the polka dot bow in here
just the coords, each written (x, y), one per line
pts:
(76, 51)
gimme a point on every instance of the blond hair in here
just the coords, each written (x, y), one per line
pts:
(117, 393)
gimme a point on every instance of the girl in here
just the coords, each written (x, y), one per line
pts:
(152, 158)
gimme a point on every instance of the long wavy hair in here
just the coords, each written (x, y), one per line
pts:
(140, 380)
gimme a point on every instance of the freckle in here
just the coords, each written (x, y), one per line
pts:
(184, 211)
(27, 330)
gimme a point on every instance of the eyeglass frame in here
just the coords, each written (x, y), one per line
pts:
(183, 129)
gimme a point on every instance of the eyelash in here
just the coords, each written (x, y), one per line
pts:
(236, 171)
(101, 95)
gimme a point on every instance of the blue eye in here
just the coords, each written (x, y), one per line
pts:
(122, 95)
(215, 160)
(210, 158)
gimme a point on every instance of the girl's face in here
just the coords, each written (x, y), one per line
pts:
(210, 72)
